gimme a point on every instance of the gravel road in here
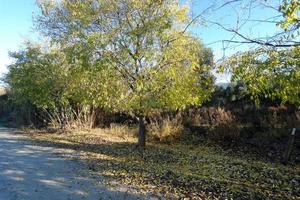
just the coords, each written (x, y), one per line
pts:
(32, 172)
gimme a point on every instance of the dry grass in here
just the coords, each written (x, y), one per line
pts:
(226, 128)
(168, 130)
(178, 171)
(224, 116)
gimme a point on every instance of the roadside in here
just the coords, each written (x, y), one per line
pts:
(29, 171)
(179, 171)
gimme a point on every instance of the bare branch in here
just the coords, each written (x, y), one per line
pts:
(282, 39)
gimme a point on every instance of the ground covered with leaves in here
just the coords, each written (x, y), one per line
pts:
(180, 171)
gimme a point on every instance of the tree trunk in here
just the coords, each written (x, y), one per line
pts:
(94, 113)
(142, 133)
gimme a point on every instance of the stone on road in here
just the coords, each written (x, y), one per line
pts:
(33, 172)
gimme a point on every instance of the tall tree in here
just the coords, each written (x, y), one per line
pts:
(143, 40)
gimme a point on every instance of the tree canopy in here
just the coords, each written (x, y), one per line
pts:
(121, 55)
(269, 73)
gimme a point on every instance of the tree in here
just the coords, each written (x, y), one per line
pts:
(144, 42)
(60, 80)
(94, 84)
(38, 76)
(269, 73)
(37, 79)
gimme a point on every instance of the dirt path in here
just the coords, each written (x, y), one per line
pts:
(32, 172)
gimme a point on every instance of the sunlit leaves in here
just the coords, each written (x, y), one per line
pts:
(149, 61)
(270, 73)
(290, 10)
(38, 76)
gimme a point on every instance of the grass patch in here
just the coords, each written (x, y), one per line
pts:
(179, 171)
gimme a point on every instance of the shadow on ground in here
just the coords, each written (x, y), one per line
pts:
(34, 172)
(185, 170)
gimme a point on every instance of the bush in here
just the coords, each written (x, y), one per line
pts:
(166, 130)
(226, 128)
(225, 132)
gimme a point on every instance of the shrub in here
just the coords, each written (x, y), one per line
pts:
(226, 128)
(225, 132)
(166, 130)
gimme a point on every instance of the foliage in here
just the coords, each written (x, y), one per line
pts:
(122, 55)
(269, 73)
(290, 10)
(157, 63)
(61, 82)
(38, 77)
(93, 82)
(233, 92)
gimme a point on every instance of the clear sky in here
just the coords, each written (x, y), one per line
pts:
(16, 26)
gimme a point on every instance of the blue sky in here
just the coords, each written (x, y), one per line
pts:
(16, 27)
